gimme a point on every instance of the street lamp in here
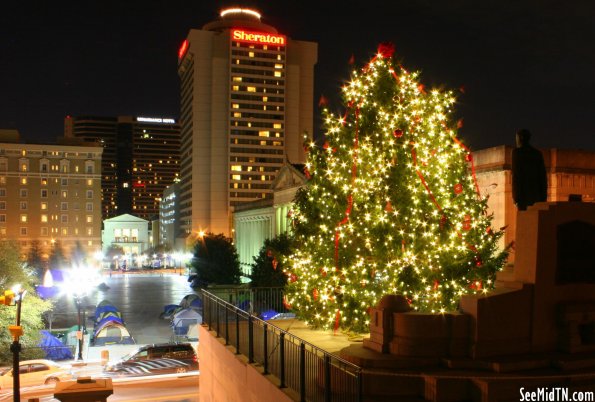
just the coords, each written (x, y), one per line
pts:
(17, 294)
(78, 283)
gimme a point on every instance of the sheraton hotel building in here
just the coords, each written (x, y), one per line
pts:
(246, 104)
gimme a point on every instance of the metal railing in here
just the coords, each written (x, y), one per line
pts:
(252, 300)
(314, 374)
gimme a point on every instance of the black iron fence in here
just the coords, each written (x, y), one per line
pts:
(316, 375)
(256, 301)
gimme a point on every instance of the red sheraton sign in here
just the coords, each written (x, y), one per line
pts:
(257, 37)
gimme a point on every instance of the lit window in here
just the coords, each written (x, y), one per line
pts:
(237, 114)
(235, 105)
(263, 133)
(89, 231)
(64, 231)
(23, 180)
(265, 98)
(44, 181)
(237, 79)
(44, 206)
(251, 89)
(44, 218)
(277, 74)
(235, 88)
(251, 54)
(89, 182)
(24, 218)
(277, 125)
(236, 177)
(236, 168)
(90, 243)
(89, 218)
(125, 185)
(64, 194)
(278, 65)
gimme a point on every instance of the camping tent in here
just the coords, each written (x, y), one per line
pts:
(112, 332)
(184, 319)
(105, 309)
(187, 300)
(54, 349)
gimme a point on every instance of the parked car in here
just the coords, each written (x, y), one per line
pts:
(36, 372)
(156, 359)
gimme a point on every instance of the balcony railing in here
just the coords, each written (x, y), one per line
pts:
(315, 375)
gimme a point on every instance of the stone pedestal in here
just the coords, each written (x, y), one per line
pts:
(381, 322)
(84, 389)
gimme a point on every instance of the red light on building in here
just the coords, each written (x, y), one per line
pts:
(183, 49)
(257, 37)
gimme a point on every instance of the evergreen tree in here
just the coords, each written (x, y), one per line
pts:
(14, 271)
(35, 260)
(216, 261)
(57, 259)
(268, 265)
(392, 205)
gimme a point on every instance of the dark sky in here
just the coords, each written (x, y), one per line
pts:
(522, 63)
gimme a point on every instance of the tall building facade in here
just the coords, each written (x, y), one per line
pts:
(141, 158)
(246, 104)
(50, 194)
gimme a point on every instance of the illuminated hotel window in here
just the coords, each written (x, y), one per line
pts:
(265, 98)
(23, 180)
(277, 125)
(263, 133)
(89, 182)
(44, 218)
(89, 218)
(64, 231)
(124, 185)
(278, 65)
(44, 181)
(89, 231)
(24, 218)
(251, 89)
(277, 73)
(235, 106)
(237, 114)
(235, 88)
(44, 206)
(236, 177)
(236, 168)
(64, 194)
(251, 54)
(90, 243)
(249, 124)
(237, 79)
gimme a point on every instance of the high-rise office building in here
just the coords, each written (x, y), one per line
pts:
(141, 158)
(246, 103)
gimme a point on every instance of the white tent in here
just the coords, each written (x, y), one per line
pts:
(184, 319)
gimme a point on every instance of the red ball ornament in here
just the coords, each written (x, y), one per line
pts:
(315, 294)
(307, 173)
(467, 222)
(398, 133)
(458, 188)
(436, 284)
(292, 278)
(388, 208)
(478, 262)
(325, 146)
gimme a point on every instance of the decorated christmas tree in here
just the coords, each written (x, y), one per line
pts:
(392, 205)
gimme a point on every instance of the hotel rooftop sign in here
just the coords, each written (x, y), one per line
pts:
(261, 38)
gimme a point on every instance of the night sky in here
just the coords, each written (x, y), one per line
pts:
(521, 63)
